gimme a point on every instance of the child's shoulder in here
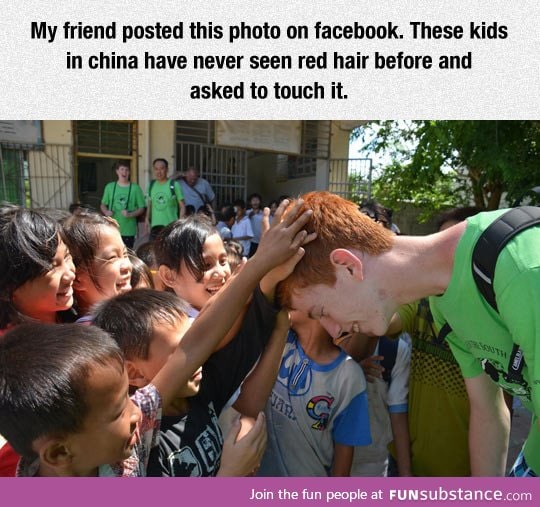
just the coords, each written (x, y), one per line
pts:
(148, 400)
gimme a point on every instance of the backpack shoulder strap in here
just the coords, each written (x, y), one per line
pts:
(388, 349)
(150, 187)
(171, 186)
(493, 240)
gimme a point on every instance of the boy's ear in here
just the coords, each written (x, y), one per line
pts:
(342, 258)
(167, 275)
(54, 452)
(135, 375)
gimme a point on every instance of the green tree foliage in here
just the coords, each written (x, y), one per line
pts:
(437, 164)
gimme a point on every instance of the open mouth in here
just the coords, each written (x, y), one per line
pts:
(197, 375)
(213, 290)
(123, 286)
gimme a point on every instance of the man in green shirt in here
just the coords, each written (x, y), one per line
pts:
(356, 274)
(123, 201)
(165, 199)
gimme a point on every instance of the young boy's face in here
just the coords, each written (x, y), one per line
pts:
(111, 427)
(165, 341)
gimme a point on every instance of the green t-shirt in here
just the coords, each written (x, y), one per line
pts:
(482, 339)
(124, 199)
(438, 402)
(164, 204)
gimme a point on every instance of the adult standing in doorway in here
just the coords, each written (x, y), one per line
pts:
(123, 201)
(255, 215)
(165, 199)
(197, 191)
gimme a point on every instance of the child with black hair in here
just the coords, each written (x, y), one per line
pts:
(101, 259)
(36, 279)
(86, 371)
(148, 326)
(36, 268)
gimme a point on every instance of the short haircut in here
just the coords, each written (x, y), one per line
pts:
(183, 240)
(457, 215)
(241, 203)
(338, 224)
(28, 244)
(255, 194)
(130, 318)
(44, 370)
(122, 163)
(164, 160)
(227, 214)
(82, 235)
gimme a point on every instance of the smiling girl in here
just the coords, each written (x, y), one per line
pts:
(101, 259)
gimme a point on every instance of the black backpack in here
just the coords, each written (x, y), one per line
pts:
(484, 259)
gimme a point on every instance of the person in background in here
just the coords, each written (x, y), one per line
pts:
(255, 215)
(197, 191)
(165, 199)
(123, 201)
(241, 229)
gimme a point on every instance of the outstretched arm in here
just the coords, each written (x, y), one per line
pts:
(258, 384)
(280, 243)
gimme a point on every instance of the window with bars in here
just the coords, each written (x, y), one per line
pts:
(105, 137)
(315, 145)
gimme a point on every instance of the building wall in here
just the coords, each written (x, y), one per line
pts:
(57, 132)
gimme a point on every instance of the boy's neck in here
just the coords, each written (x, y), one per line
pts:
(319, 347)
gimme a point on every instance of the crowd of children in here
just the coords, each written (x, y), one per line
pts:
(119, 363)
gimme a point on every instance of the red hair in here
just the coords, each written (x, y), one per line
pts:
(338, 224)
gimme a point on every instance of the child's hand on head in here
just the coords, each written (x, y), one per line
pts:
(285, 236)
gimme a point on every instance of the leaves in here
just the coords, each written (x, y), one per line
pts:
(441, 163)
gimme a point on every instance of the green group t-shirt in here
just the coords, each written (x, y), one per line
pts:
(164, 204)
(121, 195)
(481, 338)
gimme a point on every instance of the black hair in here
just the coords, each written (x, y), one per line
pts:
(44, 370)
(82, 236)
(234, 253)
(255, 194)
(28, 243)
(130, 318)
(376, 211)
(457, 215)
(227, 214)
(164, 160)
(147, 254)
(240, 202)
(184, 240)
(140, 272)
(190, 210)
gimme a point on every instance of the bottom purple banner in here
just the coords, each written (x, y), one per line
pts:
(251, 492)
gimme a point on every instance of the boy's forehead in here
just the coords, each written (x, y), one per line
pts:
(106, 385)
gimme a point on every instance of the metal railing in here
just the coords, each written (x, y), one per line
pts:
(350, 178)
(36, 175)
